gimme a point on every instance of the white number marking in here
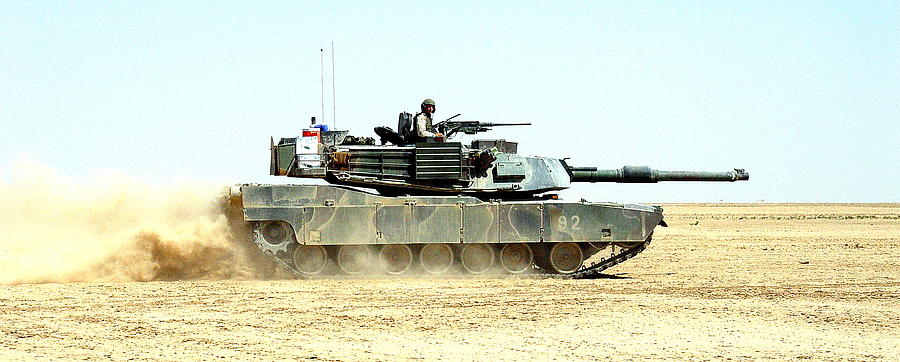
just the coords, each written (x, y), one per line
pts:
(564, 222)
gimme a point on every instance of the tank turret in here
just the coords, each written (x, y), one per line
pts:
(440, 205)
(484, 168)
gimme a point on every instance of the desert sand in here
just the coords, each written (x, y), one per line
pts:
(724, 281)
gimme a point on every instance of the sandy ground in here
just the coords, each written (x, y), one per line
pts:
(799, 281)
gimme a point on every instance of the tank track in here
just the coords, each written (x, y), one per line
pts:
(279, 252)
(594, 270)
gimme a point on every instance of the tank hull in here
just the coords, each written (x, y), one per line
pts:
(324, 219)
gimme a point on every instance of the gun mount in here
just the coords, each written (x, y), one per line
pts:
(443, 205)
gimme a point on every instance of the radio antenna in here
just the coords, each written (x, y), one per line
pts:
(322, 73)
(333, 99)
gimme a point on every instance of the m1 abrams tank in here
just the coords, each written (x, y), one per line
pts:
(438, 207)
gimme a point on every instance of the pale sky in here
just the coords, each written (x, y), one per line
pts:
(804, 95)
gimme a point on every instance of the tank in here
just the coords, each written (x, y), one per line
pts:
(438, 207)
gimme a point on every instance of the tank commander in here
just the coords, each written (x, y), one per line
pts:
(424, 128)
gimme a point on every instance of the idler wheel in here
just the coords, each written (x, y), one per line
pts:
(565, 258)
(436, 258)
(310, 259)
(354, 259)
(516, 258)
(477, 258)
(396, 258)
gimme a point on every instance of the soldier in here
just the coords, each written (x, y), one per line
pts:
(424, 128)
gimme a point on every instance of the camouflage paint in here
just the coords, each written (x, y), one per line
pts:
(334, 215)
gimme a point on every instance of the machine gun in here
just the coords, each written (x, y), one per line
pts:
(449, 127)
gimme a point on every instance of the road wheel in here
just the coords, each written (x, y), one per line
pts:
(310, 259)
(354, 259)
(565, 257)
(396, 258)
(436, 258)
(477, 258)
(516, 258)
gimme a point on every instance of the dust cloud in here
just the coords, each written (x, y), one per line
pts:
(109, 227)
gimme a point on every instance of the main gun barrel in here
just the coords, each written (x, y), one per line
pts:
(644, 174)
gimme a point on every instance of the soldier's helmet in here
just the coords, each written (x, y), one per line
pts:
(429, 102)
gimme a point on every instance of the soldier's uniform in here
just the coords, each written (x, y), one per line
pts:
(424, 128)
